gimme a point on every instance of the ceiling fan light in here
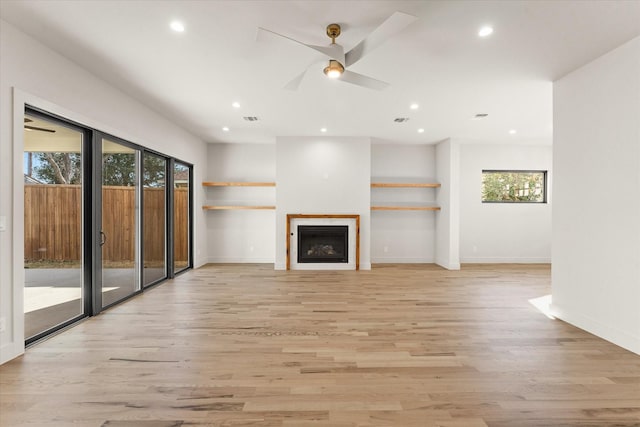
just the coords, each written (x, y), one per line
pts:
(334, 70)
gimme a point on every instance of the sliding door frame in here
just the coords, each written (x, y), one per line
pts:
(171, 204)
(168, 180)
(87, 219)
(170, 219)
(99, 137)
(92, 217)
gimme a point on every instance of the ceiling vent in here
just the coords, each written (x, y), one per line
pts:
(250, 118)
(401, 119)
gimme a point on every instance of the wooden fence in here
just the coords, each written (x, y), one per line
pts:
(52, 223)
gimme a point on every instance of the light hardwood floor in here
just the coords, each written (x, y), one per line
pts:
(401, 345)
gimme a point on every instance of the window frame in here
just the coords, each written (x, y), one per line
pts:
(545, 179)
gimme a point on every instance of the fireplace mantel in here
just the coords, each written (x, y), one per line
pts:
(291, 217)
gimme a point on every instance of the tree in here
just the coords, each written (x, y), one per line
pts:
(58, 168)
(118, 169)
(513, 186)
(154, 171)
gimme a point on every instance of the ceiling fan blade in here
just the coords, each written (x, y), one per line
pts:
(39, 129)
(333, 51)
(322, 49)
(364, 81)
(295, 83)
(393, 24)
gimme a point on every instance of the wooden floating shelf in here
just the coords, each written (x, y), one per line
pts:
(215, 208)
(238, 184)
(405, 208)
(405, 185)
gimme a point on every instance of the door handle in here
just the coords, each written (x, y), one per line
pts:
(103, 238)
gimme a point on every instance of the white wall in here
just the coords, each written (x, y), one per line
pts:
(448, 198)
(32, 73)
(596, 213)
(324, 175)
(241, 235)
(503, 232)
(403, 236)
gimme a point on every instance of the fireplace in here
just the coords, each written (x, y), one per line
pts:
(323, 244)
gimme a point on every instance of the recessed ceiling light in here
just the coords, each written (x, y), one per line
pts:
(420, 130)
(485, 31)
(513, 131)
(414, 106)
(323, 130)
(177, 26)
(225, 129)
(236, 105)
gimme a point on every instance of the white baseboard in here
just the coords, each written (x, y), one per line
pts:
(505, 260)
(448, 265)
(614, 335)
(391, 260)
(237, 260)
(197, 263)
(10, 351)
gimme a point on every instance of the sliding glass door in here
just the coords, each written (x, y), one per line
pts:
(53, 224)
(181, 217)
(120, 226)
(154, 189)
(103, 219)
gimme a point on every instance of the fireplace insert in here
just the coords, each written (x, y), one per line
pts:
(323, 243)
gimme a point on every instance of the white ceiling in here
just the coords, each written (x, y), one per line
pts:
(438, 61)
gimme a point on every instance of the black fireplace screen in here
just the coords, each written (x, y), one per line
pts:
(323, 243)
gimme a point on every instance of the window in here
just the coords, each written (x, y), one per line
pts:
(511, 186)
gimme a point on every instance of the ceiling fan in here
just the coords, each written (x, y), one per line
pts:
(39, 129)
(339, 61)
